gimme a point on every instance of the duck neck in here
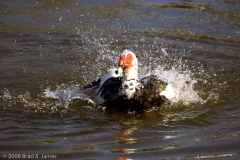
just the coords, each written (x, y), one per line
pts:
(130, 75)
(130, 84)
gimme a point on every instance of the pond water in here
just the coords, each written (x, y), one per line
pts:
(50, 49)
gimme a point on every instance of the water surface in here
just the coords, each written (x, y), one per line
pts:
(50, 49)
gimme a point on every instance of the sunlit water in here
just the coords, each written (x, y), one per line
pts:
(50, 49)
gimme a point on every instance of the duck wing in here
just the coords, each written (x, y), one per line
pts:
(110, 89)
(97, 84)
(149, 96)
(152, 82)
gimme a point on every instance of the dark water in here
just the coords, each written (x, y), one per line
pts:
(49, 49)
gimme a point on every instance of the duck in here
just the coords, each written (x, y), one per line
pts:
(121, 88)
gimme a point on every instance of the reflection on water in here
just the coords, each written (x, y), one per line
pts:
(50, 49)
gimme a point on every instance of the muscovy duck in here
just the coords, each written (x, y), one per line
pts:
(121, 88)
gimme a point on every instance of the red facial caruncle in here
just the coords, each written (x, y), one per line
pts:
(126, 62)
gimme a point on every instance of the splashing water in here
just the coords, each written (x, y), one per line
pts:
(182, 84)
(66, 94)
(177, 74)
(50, 101)
(152, 60)
(6, 95)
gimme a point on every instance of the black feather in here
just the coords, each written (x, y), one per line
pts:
(110, 88)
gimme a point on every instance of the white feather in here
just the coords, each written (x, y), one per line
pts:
(111, 73)
(168, 92)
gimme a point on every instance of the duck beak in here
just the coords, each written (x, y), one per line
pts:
(120, 70)
(121, 62)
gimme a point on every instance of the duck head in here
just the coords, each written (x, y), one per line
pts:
(128, 63)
